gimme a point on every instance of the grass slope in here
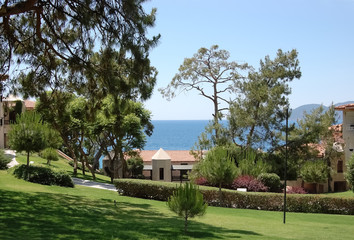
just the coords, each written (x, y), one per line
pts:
(32, 211)
(61, 164)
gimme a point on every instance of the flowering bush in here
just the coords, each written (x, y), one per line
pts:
(201, 181)
(249, 182)
(295, 190)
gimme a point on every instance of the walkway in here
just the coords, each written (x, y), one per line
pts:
(88, 183)
(12, 155)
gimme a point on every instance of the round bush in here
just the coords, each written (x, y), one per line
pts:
(4, 160)
(43, 175)
(270, 180)
(249, 182)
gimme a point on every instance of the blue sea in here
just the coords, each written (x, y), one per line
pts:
(175, 134)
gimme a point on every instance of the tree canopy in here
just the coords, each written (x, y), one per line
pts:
(210, 74)
(256, 116)
(28, 134)
(49, 43)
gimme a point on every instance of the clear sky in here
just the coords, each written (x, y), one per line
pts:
(322, 31)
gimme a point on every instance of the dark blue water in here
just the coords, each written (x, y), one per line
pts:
(175, 134)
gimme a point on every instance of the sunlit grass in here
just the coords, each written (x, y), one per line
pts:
(33, 211)
(61, 164)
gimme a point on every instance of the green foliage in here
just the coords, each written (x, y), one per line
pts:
(233, 199)
(28, 134)
(218, 167)
(135, 166)
(257, 114)
(187, 202)
(213, 76)
(314, 171)
(50, 154)
(18, 107)
(270, 180)
(349, 175)
(249, 163)
(43, 175)
(66, 28)
(54, 139)
(4, 160)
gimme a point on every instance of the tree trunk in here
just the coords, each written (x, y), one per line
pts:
(85, 161)
(27, 172)
(96, 159)
(216, 113)
(329, 175)
(185, 222)
(111, 166)
(28, 153)
(83, 166)
(220, 195)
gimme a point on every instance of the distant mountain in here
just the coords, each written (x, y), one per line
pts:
(298, 112)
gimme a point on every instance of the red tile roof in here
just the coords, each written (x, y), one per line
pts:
(338, 138)
(346, 107)
(176, 155)
(30, 104)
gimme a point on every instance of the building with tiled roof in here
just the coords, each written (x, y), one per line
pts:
(8, 115)
(167, 165)
(177, 156)
(347, 136)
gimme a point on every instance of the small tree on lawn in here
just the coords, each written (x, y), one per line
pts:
(187, 202)
(53, 142)
(218, 168)
(28, 134)
(50, 154)
(350, 172)
(314, 172)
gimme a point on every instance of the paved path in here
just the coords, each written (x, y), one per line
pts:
(12, 155)
(88, 183)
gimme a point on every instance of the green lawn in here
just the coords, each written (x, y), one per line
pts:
(32, 211)
(61, 164)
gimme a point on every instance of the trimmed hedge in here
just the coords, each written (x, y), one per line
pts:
(43, 175)
(234, 199)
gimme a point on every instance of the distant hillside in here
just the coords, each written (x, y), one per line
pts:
(298, 112)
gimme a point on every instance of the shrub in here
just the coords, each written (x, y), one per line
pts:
(296, 190)
(233, 199)
(250, 164)
(43, 175)
(135, 166)
(314, 171)
(217, 167)
(50, 154)
(249, 182)
(63, 179)
(349, 175)
(271, 181)
(187, 202)
(201, 181)
(4, 160)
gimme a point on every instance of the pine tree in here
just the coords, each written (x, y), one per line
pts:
(187, 202)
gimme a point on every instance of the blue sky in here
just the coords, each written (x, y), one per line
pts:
(322, 31)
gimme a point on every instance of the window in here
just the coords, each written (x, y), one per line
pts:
(161, 174)
(340, 166)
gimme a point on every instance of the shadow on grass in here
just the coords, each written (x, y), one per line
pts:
(61, 216)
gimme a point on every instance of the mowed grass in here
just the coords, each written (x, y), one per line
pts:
(33, 211)
(62, 164)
